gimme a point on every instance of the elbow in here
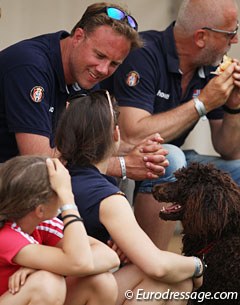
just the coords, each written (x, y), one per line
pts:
(158, 273)
(81, 267)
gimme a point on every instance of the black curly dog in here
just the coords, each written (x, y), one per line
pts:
(207, 202)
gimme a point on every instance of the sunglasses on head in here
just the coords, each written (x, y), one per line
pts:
(104, 92)
(117, 14)
(114, 112)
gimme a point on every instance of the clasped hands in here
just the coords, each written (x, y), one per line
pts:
(147, 160)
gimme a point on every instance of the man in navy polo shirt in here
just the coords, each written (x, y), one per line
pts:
(167, 86)
(38, 75)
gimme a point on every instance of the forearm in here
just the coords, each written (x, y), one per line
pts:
(176, 267)
(170, 124)
(75, 237)
(32, 144)
(164, 266)
(226, 140)
(114, 168)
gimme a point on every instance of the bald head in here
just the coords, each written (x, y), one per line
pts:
(195, 14)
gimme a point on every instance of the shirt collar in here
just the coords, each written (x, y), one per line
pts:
(56, 58)
(171, 51)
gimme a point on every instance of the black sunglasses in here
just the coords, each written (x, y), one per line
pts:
(230, 34)
(117, 14)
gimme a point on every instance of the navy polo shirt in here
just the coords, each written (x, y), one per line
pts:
(150, 78)
(90, 187)
(33, 92)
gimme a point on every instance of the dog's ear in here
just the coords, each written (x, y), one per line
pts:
(212, 201)
(204, 214)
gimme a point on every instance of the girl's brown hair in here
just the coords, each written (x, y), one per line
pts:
(24, 184)
(84, 134)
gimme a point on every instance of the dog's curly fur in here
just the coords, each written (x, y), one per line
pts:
(207, 201)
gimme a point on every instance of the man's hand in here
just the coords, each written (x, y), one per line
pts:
(218, 89)
(147, 160)
(234, 100)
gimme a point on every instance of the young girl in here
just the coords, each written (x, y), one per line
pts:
(87, 137)
(37, 265)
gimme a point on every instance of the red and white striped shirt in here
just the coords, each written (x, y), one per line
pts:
(13, 239)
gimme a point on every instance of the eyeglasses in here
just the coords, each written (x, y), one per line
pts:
(117, 14)
(230, 34)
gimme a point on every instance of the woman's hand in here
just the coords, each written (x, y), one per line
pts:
(60, 180)
(197, 282)
(18, 279)
(123, 258)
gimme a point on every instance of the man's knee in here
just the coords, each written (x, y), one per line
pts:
(176, 158)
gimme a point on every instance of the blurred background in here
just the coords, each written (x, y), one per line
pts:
(20, 19)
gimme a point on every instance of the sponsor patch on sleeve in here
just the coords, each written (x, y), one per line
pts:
(37, 94)
(132, 78)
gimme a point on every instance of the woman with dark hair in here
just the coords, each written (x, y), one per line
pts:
(87, 137)
(44, 261)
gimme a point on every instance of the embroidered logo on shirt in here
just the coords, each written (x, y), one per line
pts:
(132, 78)
(37, 94)
(196, 92)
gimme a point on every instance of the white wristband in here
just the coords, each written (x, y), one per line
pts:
(66, 207)
(200, 107)
(123, 167)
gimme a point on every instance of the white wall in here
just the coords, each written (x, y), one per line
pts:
(26, 18)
